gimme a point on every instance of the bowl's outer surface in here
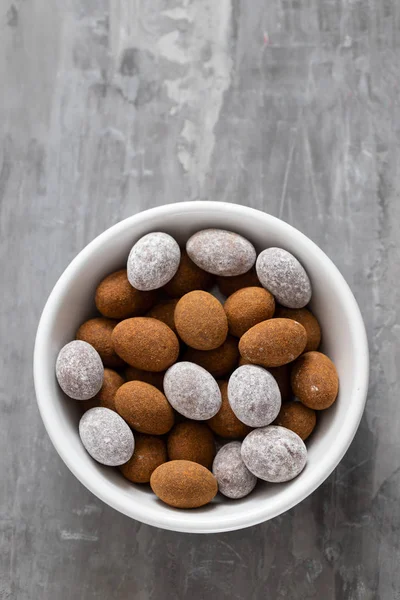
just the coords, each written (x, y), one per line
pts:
(344, 340)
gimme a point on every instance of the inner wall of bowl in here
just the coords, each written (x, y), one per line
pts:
(74, 304)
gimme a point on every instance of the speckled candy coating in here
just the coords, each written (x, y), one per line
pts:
(192, 391)
(79, 370)
(234, 478)
(254, 395)
(281, 274)
(274, 454)
(221, 252)
(106, 436)
(153, 261)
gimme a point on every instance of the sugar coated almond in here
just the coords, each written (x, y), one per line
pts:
(281, 376)
(106, 436)
(247, 307)
(254, 395)
(183, 484)
(117, 299)
(79, 370)
(274, 454)
(147, 344)
(273, 343)
(144, 408)
(192, 391)
(315, 380)
(233, 477)
(282, 274)
(153, 261)
(201, 321)
(221, 252)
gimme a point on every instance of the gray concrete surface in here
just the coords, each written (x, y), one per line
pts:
(107, 108)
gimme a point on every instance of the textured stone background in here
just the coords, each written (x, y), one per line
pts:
(110, 107)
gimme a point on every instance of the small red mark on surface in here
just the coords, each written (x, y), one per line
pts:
(266, 38)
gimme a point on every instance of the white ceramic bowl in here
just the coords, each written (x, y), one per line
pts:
(344, 340)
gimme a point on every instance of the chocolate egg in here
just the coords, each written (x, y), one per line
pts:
(281, 376)
(156, 379)
(164, 312)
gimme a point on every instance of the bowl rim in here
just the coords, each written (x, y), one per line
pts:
(172, 521)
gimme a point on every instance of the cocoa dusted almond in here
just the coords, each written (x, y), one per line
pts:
(247, 307)
(144, 408)
(164, 312)
(117, 299)
(305, 318)
(230, 285)
(219, 362)
(189, 277)
(97, 332)
(201, 321)
(156, 379)
(191, 441)
(315, 380)
(146, 344)
(298, 418)
(273, 343)
(184, 484)
(150, 452)
(225, 423)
